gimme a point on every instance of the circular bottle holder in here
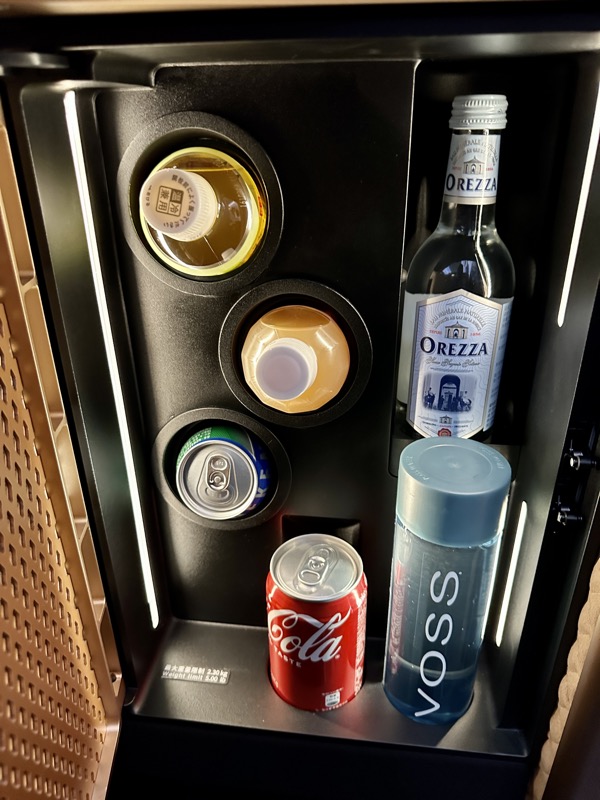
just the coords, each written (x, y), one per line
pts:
(170, 459)
(243, 178)
(257, 302)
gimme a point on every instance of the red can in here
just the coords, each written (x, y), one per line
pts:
(317, 609)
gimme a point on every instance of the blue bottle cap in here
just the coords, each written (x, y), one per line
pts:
(452, 491)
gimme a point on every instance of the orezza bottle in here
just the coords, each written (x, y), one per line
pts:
(459, 289)
(450, 511)
(202, 212)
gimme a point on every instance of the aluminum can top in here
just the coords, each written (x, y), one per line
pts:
(316, 567)
(217, 472)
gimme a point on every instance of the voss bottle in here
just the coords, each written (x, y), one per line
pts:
(450, 511)
(459, 290)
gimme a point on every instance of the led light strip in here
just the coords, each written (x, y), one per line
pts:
(512, 571)
(581, 207)
(88, 220)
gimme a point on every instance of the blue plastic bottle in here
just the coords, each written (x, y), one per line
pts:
(450, 508)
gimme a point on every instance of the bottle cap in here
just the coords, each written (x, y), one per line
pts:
(452, 491)
(479, 111)
(178, 203)
(286, 368)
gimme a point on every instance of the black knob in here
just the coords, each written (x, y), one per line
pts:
(566, 516)
(577, 460)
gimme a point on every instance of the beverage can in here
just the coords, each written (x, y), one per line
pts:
(316, 609)
(223, 472)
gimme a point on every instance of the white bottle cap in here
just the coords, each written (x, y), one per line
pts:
(479, 111)
(286, 368)
(178, 203)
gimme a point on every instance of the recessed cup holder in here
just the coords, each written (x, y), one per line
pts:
(268, 296)
(177, 432)
(184, 135)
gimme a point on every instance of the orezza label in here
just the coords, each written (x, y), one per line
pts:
(472, 174)
(457, 354)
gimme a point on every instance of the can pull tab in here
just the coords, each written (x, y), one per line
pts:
(319, 562)
(218, 476)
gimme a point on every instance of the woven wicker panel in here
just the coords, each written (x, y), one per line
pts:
(60, 686)
(52, 722)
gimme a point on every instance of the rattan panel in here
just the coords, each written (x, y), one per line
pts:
(52, 721)
(60, 684)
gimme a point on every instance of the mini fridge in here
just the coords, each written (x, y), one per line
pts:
(135, 645)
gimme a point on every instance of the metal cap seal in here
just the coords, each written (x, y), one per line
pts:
(316, 566)
(479, 112)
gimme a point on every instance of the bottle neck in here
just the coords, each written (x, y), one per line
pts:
(469, 203)
(467, 220)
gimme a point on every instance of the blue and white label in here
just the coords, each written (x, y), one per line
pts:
(458, 348)
(472, 174)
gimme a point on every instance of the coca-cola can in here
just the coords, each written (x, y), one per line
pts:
(316, 610)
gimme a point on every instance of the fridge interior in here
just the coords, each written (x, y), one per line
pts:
(348, 137)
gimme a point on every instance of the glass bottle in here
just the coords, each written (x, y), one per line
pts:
(450, 510)
(202, 212)
(295, 358)
(459, 290)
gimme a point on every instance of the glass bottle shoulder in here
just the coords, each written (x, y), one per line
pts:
(451, 259)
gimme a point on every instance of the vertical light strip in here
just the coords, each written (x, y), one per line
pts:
(88, 220)
(583, 198)
(512, 571)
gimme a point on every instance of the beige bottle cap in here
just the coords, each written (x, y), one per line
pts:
(180, 204)
(286, 368)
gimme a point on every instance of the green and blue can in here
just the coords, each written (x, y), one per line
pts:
(223, 472)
